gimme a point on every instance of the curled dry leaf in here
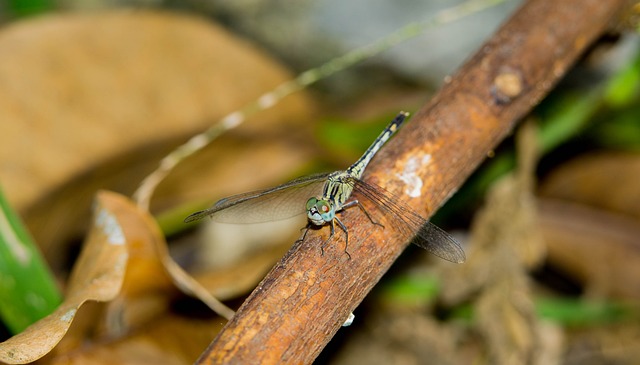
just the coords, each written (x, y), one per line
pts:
(98, 276)
(151, 276)
(125, 260)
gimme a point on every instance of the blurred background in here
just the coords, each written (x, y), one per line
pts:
(94, 93)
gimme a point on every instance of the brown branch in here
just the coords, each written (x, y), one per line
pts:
(305, 299)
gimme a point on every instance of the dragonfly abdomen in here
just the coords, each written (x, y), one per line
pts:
(358, 167)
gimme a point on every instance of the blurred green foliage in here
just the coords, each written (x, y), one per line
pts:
(23, 8)
(410, 289)
(347, 140)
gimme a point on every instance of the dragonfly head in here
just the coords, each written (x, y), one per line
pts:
(320, 211)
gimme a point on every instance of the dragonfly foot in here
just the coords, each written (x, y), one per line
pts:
(304, 235)
(322, 250)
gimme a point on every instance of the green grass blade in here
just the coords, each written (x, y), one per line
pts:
(28, 290)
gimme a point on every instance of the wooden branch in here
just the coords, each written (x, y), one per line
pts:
(305, 299)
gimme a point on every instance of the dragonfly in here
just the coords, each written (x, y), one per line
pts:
(330, 193)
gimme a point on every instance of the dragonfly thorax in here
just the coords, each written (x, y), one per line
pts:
(320, 211)
(338, 188)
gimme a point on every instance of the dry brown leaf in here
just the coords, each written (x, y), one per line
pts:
(147, 287)
(95, 100)
(170, 340)
(611, 344)
(591, 221)
(607, 180)
(97, 276)
(125, 258)
(151, 275)
(599, 248)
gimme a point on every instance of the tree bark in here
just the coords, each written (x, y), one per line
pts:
(306, 297)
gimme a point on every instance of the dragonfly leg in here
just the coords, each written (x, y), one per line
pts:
(304, 235)
(346, 234)
(333, 231)
(357, 202)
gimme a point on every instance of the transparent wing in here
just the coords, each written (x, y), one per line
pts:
(283, 201)
(425, 234)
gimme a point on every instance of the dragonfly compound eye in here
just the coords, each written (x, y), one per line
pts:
(324, 206)
(311, 203)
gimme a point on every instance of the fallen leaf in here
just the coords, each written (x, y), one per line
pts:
(170, 340)
(606, 180)
(599, 248)
(152, 274)
(125, 261)
(97, 276)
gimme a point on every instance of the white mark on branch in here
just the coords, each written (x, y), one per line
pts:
(349, 321)
(411, 177)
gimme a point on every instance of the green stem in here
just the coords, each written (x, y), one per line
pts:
(28, 291)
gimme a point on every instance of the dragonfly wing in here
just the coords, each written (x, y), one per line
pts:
(283, 201)
(425, 234)
(440, 243)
